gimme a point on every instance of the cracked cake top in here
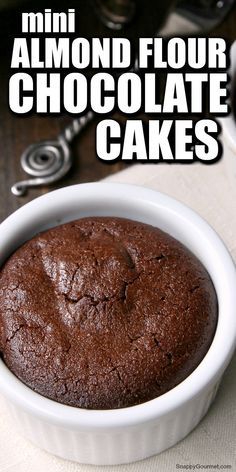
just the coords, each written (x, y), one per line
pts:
(104, 313)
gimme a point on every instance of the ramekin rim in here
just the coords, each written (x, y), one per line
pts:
(190, 387)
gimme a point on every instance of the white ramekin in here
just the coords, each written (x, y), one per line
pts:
(228, 123)
(128, 434)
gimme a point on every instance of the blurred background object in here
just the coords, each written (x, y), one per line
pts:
(197, 15)
(190, 17)
(115, 13)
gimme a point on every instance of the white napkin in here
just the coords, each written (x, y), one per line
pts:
(209, 191)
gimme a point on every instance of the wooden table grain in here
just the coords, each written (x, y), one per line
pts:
(16, 133)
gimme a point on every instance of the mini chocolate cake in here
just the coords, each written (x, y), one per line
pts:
(104, 313)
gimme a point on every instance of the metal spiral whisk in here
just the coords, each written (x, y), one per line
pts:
(49, 161)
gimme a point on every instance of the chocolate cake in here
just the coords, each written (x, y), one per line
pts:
(104, 313)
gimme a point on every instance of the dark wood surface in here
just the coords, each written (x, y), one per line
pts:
(16, 133)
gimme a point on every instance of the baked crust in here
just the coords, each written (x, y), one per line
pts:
(104, 313)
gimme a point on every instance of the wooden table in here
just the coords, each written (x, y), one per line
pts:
(16, 133)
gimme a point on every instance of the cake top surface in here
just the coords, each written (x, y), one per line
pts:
(104, 313)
